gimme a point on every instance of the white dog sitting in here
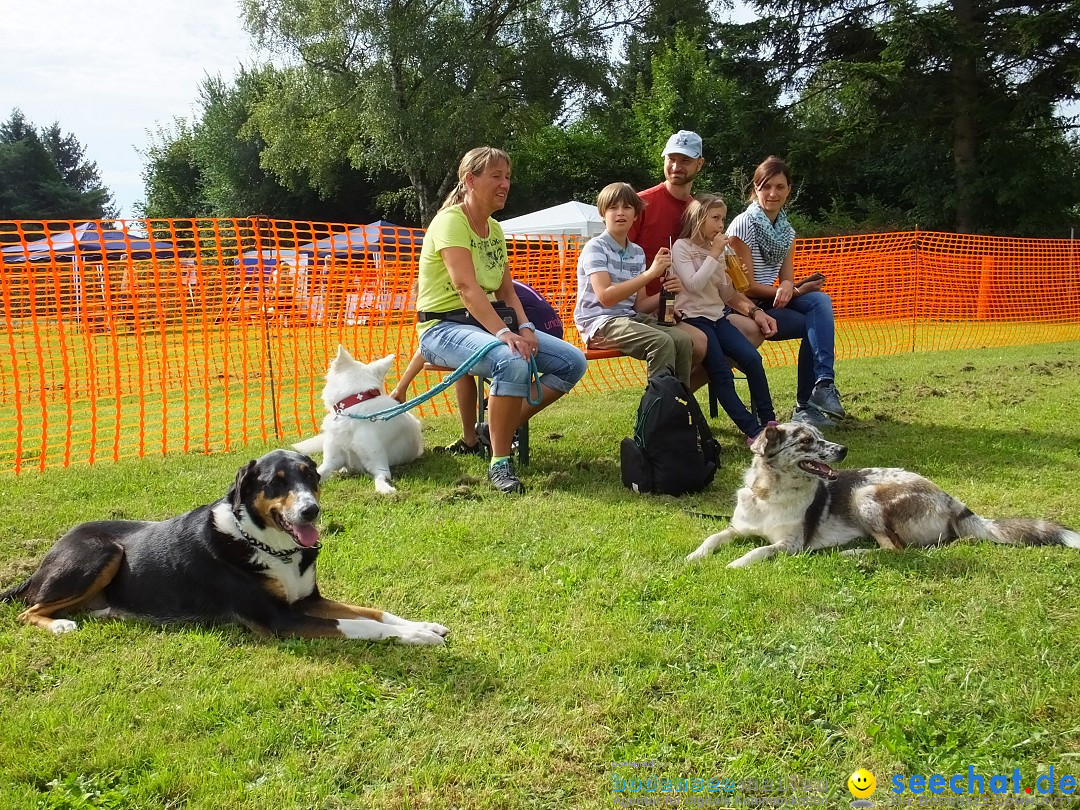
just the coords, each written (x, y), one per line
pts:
(362, 445)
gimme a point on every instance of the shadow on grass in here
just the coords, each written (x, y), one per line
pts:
(886, 441)
(953, 561)
(452, 668)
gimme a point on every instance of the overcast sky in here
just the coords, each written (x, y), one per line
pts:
(110, 77)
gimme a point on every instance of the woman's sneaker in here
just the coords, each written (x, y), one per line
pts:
(483, 438)
(826, 399)
(502, 476)
(459, 448)
(809, 415)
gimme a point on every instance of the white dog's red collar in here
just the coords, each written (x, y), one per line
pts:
(356, 399)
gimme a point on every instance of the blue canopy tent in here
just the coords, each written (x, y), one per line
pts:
(375, 237)
(86, 247)
(381, 243)
(272, 258)
(391, 235)
(274, 280)
(89, 243)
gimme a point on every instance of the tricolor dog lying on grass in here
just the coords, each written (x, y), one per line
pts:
(797, 502)
(248, 558)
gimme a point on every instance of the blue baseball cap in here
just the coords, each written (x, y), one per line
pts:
(683, 142)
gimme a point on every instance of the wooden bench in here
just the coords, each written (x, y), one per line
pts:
(603, 354)
(523, 431)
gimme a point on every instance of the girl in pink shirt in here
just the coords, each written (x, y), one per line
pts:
(697, 258)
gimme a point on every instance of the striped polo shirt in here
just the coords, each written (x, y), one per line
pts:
(602, 254)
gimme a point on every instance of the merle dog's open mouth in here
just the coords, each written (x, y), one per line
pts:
(305, 534)
(818, 468)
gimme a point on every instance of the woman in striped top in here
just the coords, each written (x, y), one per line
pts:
(763, 238)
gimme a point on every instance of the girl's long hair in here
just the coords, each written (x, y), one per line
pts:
(696, 212)
(476, 161)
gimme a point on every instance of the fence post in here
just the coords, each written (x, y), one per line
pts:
(982, 308)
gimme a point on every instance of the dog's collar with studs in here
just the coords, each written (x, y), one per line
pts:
(261, 546)
(356, 399)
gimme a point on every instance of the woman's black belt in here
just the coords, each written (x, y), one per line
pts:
(463, 316)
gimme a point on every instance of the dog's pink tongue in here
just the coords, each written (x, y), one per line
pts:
(307, 535)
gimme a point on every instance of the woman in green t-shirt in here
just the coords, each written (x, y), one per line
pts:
(463, 268)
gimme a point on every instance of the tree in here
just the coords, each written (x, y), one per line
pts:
(172, 176)
(407, 87)
(44, 175)
(986, 74)
(720, 94)
(661, 21)
(573, 162)
(213, 166)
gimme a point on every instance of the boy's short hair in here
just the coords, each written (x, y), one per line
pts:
(619, 193)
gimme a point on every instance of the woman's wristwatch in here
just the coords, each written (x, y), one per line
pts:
(754, 310)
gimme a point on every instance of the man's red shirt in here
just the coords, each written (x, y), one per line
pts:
(658, 226)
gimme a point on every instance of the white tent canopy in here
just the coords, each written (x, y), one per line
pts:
(568, 218)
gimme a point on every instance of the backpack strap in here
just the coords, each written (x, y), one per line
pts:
(709, 445)
(642, 418)
(698, 418)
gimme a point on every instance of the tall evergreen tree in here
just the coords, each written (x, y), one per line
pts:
(45, 175)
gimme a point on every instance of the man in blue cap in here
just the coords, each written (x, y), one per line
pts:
(661, 222)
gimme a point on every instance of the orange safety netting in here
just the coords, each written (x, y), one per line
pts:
(156, 336)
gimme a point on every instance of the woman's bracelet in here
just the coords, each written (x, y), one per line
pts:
(503, 331)
(527, 325)
(753, 311)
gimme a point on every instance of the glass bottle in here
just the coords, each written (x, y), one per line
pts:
(735, 270)
(665, 310)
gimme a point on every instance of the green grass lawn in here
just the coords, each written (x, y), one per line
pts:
(580, 638)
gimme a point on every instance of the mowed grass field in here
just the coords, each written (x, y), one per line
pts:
(580, 637)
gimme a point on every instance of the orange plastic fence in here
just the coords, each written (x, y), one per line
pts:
(156, 336)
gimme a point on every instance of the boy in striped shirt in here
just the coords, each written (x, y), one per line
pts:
(613, 309)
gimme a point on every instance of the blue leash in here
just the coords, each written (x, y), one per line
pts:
(450, 379)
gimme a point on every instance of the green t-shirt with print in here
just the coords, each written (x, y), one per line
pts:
(450, 228)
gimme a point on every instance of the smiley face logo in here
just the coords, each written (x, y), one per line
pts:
(862, 784)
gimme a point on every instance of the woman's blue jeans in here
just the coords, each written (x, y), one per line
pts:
(560, 364)
(808, 317)
(726, 341)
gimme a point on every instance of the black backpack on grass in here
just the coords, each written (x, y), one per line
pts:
(673, 451)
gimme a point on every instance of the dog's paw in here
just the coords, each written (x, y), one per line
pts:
(421, 636)
(384, 487)
(697, 554)
(59, 626)
(741, 562)
(434, 628)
